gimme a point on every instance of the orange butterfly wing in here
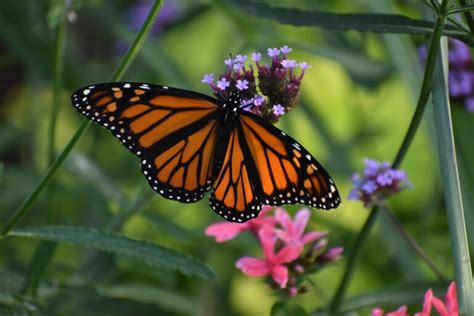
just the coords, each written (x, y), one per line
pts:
(263, 165)
(288, 173)
(173, 132)
(234, 195)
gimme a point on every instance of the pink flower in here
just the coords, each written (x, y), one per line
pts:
(223, 231)
(332, 254)
(447, 308)
(293, 231)
(273, 264)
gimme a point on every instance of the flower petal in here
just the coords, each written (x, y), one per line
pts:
(252, 266)
(284, 220)
(312, 236)
(280, 275)
(440, 307)
(301, 220)
(224, 231)
(267, 238)
(288, 254)
(451, 299)
(401, 311)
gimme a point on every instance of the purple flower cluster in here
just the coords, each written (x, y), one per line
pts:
(378, 182)
(269, 90)
(461, 73)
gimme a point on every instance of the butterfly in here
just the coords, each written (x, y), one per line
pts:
(190, 143)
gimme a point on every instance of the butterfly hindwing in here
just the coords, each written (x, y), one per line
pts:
(173, 132)
(234, 195)
(288, 173)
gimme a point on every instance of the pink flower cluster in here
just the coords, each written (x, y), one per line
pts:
(447, 308)
(269, 91)
(283, 241)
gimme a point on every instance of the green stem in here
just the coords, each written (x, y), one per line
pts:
(336, 302)
(468, 16)
(464, 9)
(451, 186)
(413, 244)
(19, 213)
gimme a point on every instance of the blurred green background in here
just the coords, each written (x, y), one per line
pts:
(356, 102)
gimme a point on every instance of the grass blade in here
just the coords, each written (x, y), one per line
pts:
(451, 185)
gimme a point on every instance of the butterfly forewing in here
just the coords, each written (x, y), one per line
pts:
(173, 132)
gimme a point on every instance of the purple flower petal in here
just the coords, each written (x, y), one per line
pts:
(256, 56)
(278, 110)
(241, 58)
(285, 50)
(273, 52)
(288, 63)
(242, 84)
(470, 104)
(304, 65)
(369, 187)
(208, 78)
(258, 100)
(223, 83)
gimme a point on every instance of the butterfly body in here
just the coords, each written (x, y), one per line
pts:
(189, 143)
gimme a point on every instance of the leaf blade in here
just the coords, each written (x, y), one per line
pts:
(366, 22)
(148, 252)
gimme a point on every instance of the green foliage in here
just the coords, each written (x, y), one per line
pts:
(152, 254)
(357, 101)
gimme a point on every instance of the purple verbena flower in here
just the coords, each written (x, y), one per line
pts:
(242, 84)
(229, 62)
(238, 66)
(256, 56)
(285, 50)
(278, 110)
(270, 89)
(208, 78)
(289, 63)
(273, 52)
(241, 58)
(223, 83)
(258, 100)
(304, 65)
(470, 104)
(378, 182)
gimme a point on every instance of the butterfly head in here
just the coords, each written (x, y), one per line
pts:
(234, 101)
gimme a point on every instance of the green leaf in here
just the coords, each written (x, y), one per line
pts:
(365, 22)
(287, 309)
(154, 255)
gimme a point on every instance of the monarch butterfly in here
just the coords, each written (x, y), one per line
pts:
(189, 143)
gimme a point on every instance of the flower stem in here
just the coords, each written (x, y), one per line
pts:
(413, 244)
(451, 186)
(336, 302)
(16, 217)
